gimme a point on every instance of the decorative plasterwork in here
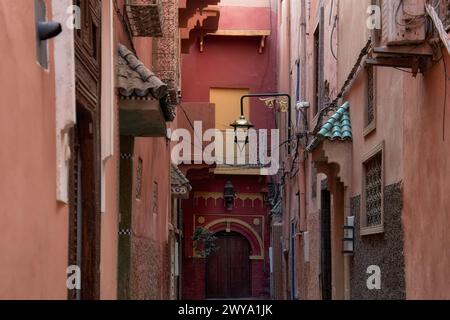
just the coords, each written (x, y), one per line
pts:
(281, 103)
(336, 153)
(219, 195)
(166, 53)
(144, 17)
(188, 8)
(243, 224)
(180, 185)
(202, 22)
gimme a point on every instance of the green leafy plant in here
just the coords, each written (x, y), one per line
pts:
(204, 242)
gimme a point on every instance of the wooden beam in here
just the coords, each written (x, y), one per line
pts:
(240, 33)
(391, 62)
(423, 50)
(439, 26)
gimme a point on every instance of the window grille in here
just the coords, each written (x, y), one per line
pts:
(373, 190)
(370, 117)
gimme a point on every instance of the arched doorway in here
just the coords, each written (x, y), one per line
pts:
(228, 269)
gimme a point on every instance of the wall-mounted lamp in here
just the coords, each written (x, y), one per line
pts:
(349, 235)
(229, 194)
(48, 29)
(282, 99)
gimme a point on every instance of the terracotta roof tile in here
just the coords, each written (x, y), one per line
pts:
(135, 79)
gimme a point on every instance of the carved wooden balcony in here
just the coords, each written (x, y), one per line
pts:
(145, 17)
(166, 52)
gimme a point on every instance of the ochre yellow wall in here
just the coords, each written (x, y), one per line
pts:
(228, 102)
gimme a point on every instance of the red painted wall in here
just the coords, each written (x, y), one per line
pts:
(232, 62)
(194, 268)
(228, 62)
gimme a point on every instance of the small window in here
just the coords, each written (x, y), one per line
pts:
(139, 179)
(155, 198)
(41, 46)
(313, 181)
(316, 71)
(370, 110)
(372, 204)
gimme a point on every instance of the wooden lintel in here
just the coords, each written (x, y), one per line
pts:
(391, 62)
(242, 33)
(405, 51)
(416, 64)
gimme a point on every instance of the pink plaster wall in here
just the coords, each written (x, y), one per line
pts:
(236, 18)
(33, 232)
(150, 220)
(110, 225)
(426, 184)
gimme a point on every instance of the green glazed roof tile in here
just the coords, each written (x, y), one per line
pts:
(338, 126)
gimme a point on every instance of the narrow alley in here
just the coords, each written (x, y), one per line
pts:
(233, 150)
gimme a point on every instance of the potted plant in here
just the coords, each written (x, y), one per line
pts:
(204, 242)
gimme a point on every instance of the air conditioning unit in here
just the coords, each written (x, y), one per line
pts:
(403, 22)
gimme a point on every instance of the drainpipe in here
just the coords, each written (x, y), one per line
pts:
(302, 173)
(289, 200)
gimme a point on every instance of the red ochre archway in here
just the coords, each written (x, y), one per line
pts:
(242, 227)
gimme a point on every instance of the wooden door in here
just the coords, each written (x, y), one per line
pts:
(85, 219)
(326, 245)
(228, 269)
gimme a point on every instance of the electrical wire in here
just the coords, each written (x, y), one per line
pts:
(125, 26)
(331, 39)
(415, 17)
(445, 96)
(403, 70)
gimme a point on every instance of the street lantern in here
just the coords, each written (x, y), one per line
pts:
(242, 125)
(229, 195)
(283, 100)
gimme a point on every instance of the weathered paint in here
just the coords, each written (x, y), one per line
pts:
(426, 184)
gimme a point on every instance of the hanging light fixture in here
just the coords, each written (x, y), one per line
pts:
(229, 194)
(241, 126)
